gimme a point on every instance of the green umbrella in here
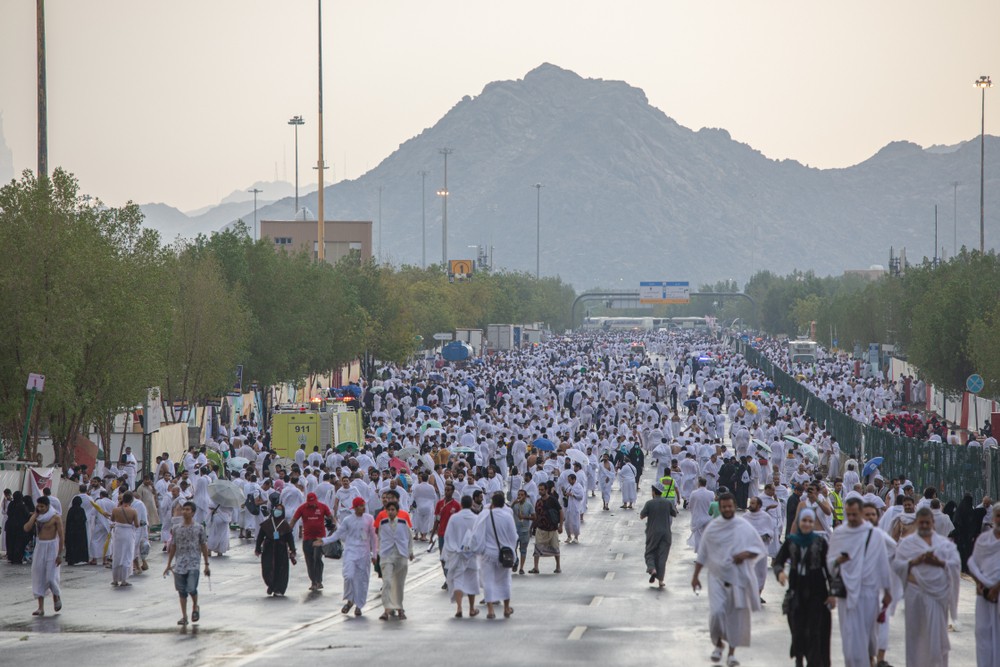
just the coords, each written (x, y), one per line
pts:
(344, 446)
(792, 438)
(430, 423)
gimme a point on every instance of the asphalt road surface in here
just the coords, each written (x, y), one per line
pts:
(600, 610)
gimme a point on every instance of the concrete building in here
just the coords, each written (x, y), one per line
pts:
(342, 237)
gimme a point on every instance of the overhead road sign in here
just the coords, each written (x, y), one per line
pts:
(665, 292)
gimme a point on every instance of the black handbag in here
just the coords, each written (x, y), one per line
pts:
(507, 557)
(838, 588)
(334, 549)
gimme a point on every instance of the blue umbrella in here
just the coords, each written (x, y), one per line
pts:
(544, 444)
(477, 361)
(691, 402)
(424, 408)
(436, 377)
(871, 465)
(352, 389)
(470, 384)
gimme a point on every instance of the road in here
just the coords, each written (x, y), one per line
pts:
(600, 609)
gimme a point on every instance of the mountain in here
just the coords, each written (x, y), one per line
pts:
(630, 195)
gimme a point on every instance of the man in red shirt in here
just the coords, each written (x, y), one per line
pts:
(314, 515)
(442, 513)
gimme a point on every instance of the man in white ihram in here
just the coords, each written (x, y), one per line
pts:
(729, 548)
(864, 568)
(984, 566)
(930, 569)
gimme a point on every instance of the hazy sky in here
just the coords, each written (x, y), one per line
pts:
(187, 100)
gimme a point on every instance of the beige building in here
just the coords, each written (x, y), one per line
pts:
(341, 237)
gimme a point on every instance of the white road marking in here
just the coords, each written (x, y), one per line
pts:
(609, 576)
(596, 601)
(577, 633)
(619, 556)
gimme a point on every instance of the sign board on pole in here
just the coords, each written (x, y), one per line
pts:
(460, 269)
(665, 292)
(974, 383)
(152, 411)
(442, 336)
(36, 382)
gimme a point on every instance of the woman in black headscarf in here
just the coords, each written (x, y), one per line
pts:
(76, 534)
(276, 547)
(966, 528)
(17, 539)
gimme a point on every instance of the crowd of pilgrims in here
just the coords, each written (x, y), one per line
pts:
(518, 446)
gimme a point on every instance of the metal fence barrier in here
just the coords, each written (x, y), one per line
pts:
(952, 470)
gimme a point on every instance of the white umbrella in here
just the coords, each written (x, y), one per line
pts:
(577, 456)
(225, 494)
(236, 463)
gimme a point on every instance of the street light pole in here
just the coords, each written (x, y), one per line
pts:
(983, 83)
(255, 192)
(538, 229)
(423, 218)
(380, 224)
(43, 123)
(954, 218)
(444, 212)
(295, 122)
(320, 162)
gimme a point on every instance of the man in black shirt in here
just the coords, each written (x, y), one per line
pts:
(548, 525)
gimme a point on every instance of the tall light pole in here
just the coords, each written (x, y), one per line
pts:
(255, 192)
(983, 83)
(443, 192)
(380, 224)
(954, 218)
(538, 229)
(320, 162)
(423, 218)
(43, 123)
(296, 121)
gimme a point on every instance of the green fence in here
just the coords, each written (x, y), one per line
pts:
(952, 470)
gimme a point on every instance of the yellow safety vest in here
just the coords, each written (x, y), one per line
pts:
(669, 488)
(838, 507)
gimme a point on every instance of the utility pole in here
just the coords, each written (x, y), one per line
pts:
(935, 236)
(43, 123)
(423, 218)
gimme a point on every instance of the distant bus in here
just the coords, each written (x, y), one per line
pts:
(802, 351)
(687, 323)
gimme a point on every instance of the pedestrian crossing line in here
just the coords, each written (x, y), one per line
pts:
(596, 602)
(610, 576)
(577, 633)
(619, 556)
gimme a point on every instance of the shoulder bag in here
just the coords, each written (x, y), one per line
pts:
(506, 553)
(837, 586)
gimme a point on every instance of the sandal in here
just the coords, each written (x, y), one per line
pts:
(346, 608)
(557, 571)
(533, 570)
(401, 615)
(38, 612)
(384, 616)
(183, 621)
(491, 615)
(717, 654)
(357, 611)
(507, 612)
(458, 614)
(473, 613)
(195, 615)
(58, 603)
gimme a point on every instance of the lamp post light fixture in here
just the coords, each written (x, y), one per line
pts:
(982, 83)
(295, 121)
